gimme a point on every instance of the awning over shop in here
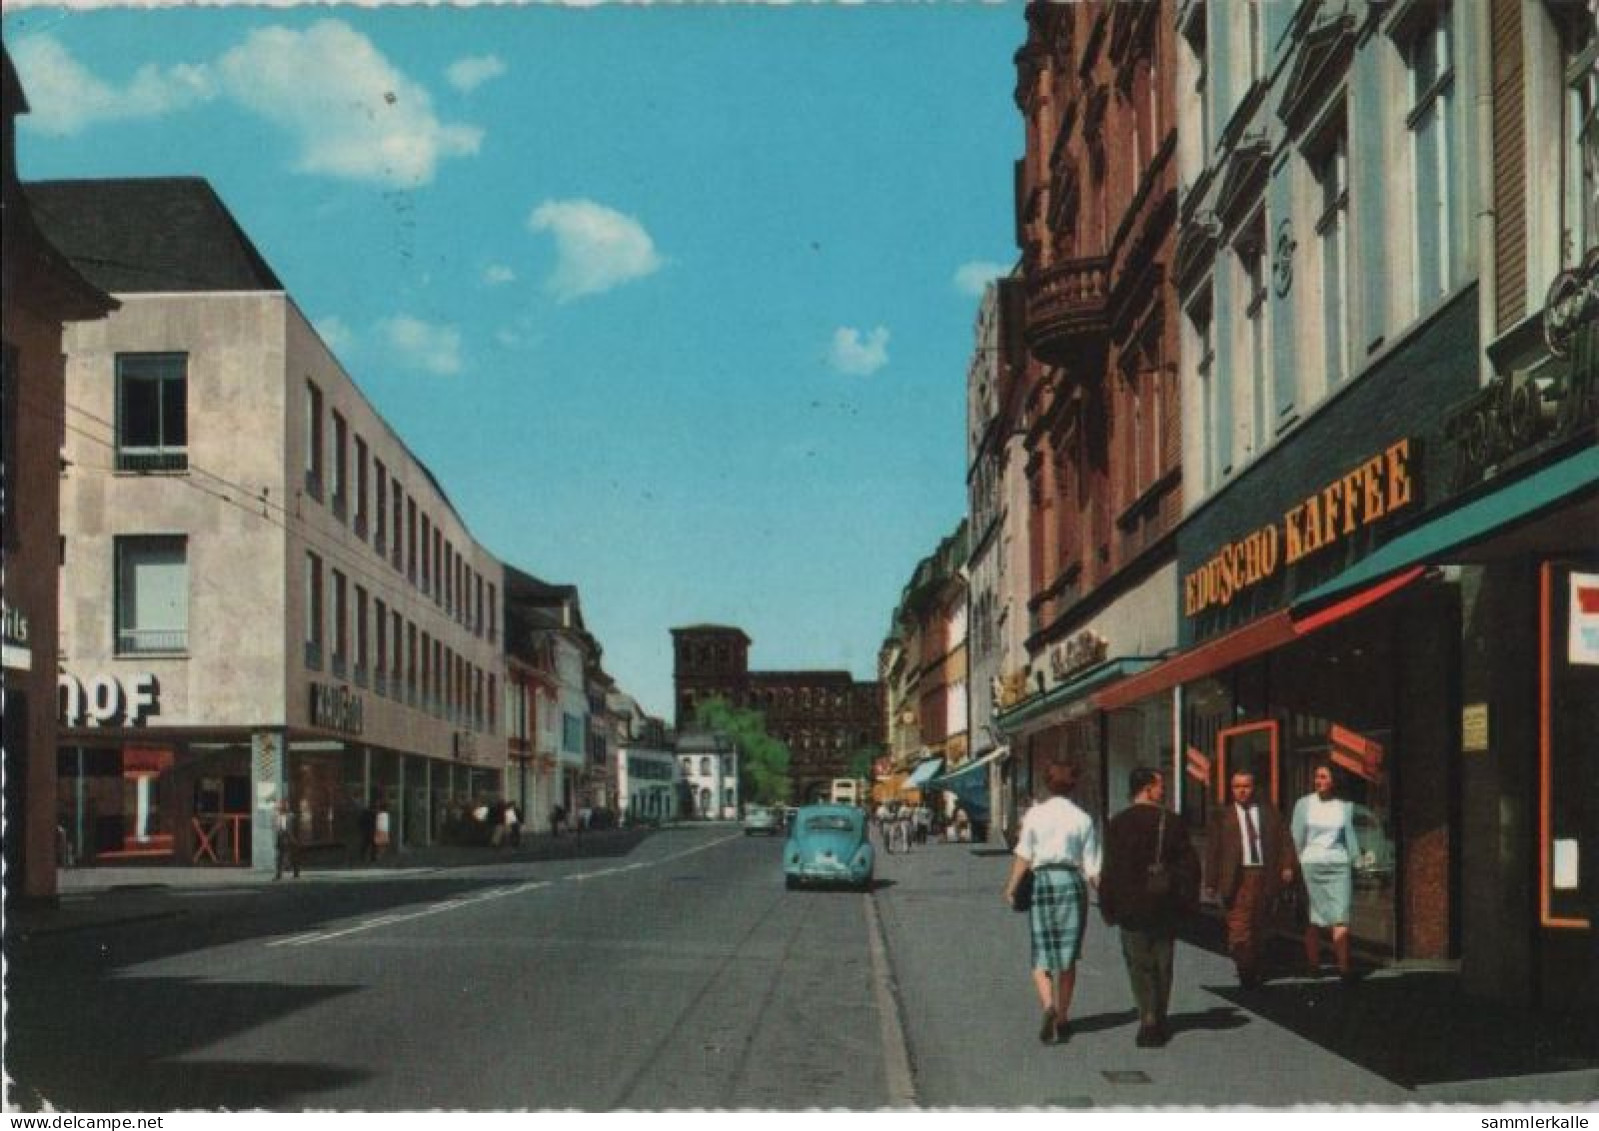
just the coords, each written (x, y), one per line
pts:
(923, 773)
(969, 783)
(1433, 541)
(1070, 691)
(974, 768)
(1258, 636)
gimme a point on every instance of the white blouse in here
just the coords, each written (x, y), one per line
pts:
(1058, 832)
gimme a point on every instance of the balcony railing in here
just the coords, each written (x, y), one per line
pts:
(151, 641)
(152, 459)
(1066, 308)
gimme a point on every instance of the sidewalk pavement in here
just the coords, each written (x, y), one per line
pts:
(1399, 1037)
(107, 896)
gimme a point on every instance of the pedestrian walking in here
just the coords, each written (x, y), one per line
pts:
(1059, 846)
(1249, 860)
(369, 833)
(1323, 827)
(287, 840)
(381, 831)
(557, 819)
(513, 825)
(1149, 878)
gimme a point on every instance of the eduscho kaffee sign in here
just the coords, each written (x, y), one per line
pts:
(1367, 493)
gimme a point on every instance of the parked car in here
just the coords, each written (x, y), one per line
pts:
(760, 819)
(827, 844)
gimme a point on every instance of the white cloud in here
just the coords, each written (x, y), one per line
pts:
(423, 345)
(350, 113)
(597, 248)
(497, 274)
(353, 115)
(971, 278)
(64, 97)
(336, 334)
(472, 72)
(856, 355)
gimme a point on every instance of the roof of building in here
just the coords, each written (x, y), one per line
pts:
(727, 629)
(150, 235)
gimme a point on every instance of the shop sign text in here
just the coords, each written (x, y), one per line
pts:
(1075, 653)
(104, 701)
(335, 707)
(1371, 491)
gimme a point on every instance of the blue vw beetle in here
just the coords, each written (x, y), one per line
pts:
(828, 844)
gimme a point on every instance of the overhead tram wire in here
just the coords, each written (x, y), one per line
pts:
(392, 583)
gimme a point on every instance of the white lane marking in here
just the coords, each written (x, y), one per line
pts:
(896, 1057)
(296, 940)
(481, 897)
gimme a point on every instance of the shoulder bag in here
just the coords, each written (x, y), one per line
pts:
(1023, 899)
(1157, 882)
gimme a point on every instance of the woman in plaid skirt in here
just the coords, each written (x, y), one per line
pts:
(1059, 845)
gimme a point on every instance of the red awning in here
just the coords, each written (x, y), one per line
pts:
(1263, 635)
(1259, 636)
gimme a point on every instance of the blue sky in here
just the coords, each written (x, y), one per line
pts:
(677, 302)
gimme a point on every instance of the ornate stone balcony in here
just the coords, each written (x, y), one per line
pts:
(1066, 307)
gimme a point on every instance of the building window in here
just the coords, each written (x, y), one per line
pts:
(313, 612)
(396, 549)
(380, 647)
(1329, 164)
(313, 440)
(152, 597)
(494, 685)
(1429, 56)
(571, 733)
(1251, 258)
(1580, 222)
(449, 576)
(397, 645)
(427, 560)
(339, 462)
(410, 663)
(1211, 403)
(410, 539)
(362, 515)
(341, 624)
(361, 639)
(152, 412)
(438, 567)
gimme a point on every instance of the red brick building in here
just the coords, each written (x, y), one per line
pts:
(1096, 210)
(824, 717)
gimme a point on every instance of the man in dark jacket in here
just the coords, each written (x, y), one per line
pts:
(1149, 877)
(1249, 859)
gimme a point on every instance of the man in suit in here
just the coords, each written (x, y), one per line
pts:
(1249, 859)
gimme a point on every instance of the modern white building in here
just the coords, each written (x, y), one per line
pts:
(265, 596)
(647, 777)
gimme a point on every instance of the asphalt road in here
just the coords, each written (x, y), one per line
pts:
(678, 975)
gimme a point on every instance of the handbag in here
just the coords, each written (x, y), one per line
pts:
(1023, 899)
(1157, 881)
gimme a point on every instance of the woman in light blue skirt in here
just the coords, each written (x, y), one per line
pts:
(1324, 834)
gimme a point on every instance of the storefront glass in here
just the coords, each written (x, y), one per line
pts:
(325, 803)
(1140, 735)
(418, 802)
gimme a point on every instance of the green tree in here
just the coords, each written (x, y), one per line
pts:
(763, 760)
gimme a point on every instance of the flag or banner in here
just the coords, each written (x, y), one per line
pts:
(1584, 641)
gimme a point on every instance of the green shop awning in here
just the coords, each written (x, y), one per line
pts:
(923, 773)
(967, 769)
(1070, 691)
(1433, 541)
